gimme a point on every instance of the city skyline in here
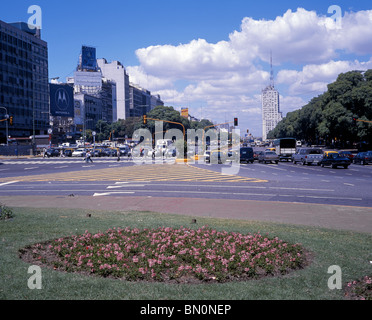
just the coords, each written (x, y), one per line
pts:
(212, 56)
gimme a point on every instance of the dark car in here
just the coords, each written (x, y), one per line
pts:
(268, 156)
(363, 158)
(98, 153)
(246, 155)
(110, 152)
(347, 154)
(335, 160)
(67, 152)
(52, 153)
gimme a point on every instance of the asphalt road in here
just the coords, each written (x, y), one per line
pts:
(284, 182)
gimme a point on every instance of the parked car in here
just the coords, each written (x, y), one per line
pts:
(80, 152)
(52, 152)
(363, 158)
(246, 155)
(268, 156)
(308, 156)
(334, 160)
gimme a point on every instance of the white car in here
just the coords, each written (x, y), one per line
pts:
(79, 153)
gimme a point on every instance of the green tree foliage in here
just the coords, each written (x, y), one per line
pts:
(329, 117)
(125, 128)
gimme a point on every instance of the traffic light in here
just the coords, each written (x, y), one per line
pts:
(235, 122)
(11, 120)
(144, 119)
(354, 121)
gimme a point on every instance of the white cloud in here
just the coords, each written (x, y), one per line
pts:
(138, 76)
(316, 77)
(228, 76)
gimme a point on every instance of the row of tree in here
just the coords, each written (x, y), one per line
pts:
(329, 118)
(125, 128)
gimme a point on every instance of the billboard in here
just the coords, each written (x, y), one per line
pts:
(61, 100)
(185, 112)
(88, 58)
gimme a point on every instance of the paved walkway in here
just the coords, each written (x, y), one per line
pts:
(323, 216)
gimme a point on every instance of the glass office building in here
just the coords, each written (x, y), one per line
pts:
(24, 88)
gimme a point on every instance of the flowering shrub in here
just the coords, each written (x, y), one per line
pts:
(167, 254)
(361, 289)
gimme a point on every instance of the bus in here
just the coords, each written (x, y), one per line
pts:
(284, 148)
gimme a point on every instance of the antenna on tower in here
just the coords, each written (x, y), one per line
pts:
(271, 70)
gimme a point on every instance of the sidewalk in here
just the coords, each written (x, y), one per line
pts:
(357, 219)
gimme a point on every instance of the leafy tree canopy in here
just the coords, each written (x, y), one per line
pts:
(329, 117)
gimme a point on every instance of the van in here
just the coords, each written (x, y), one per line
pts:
(246, 154)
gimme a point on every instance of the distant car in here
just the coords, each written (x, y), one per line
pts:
(268, 156)
(207, 155)
(68, 152)
(124, 150)
(171, 152)
(256, 154)
(363, 158)
(347, 154)
(52, 153)
(334, 160)
(98, 153)
(218, 157)
(80, 152)
(233, 156)
(110, 152)
(308, 156)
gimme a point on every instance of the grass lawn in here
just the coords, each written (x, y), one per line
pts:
(349, 250)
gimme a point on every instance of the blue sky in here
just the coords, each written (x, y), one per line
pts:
(210, 56)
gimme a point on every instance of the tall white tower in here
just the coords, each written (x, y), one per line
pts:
(271, 114)
(116, 72)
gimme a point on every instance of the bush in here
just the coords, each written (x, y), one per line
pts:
(5, 212)
(360, 289)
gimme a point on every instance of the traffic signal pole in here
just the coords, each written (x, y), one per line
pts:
(6, 123)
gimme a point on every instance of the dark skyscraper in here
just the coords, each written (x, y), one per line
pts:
(23, 80)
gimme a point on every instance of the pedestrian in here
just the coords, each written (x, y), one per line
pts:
(88, 157)
(118, 154)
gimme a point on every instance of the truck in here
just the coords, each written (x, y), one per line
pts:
(285, 148)
(308, 156)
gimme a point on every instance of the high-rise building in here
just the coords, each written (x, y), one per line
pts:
(271, 114)
(116, 72)
(24, 91)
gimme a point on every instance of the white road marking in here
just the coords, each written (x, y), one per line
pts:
(5, 183)
(110, 193)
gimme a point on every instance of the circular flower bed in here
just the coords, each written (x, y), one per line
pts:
(166, 254)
